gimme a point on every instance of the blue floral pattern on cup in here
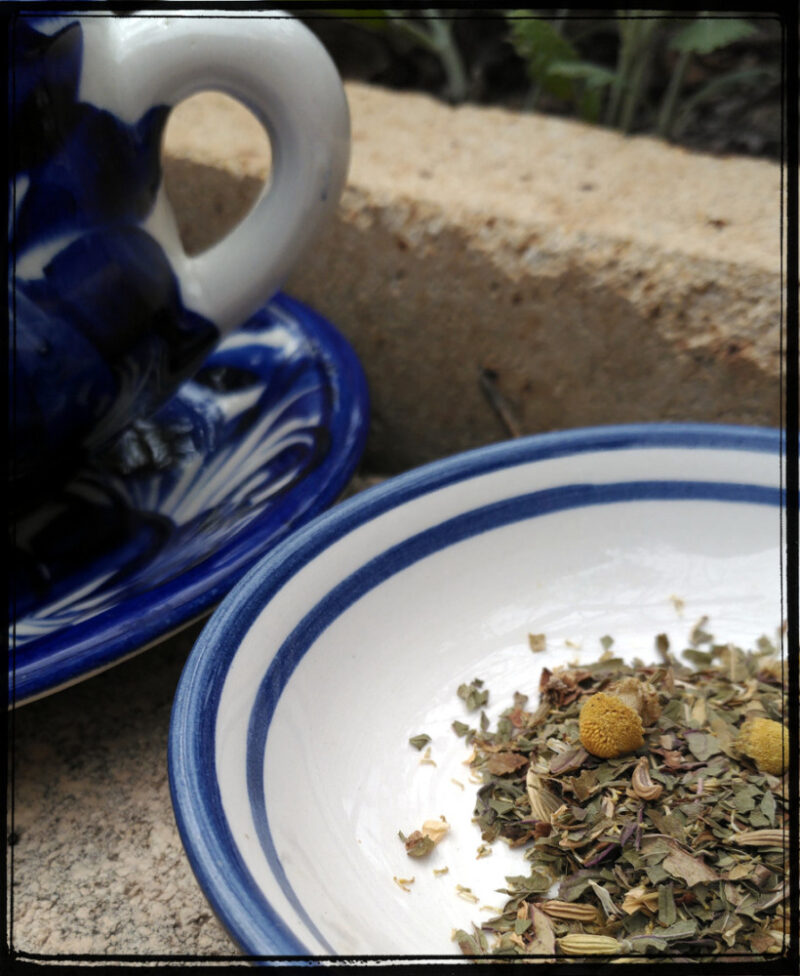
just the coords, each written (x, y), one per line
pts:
(91, 289)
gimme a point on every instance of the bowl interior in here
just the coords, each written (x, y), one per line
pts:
(357, 638)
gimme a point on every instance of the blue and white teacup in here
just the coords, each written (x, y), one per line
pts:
(109, 315)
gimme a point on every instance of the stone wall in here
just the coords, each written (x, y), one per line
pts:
(502, 274)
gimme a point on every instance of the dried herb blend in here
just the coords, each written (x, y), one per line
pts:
(651, 805)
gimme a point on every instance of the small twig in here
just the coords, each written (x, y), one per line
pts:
(499, 403)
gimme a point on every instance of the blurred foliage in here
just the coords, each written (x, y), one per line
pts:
(427, 28)
(648, 71)
(555, 66)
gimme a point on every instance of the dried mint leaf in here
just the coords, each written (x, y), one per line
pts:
(505, 762)
(418, 844)
(473, 694)
(703, 745)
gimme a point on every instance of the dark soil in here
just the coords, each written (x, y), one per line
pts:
(743, 118)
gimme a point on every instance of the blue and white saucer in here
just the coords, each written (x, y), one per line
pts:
(149, 538)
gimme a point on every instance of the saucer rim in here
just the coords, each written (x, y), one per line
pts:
(61, 659)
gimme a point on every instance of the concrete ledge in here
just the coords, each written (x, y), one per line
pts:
(502, 274)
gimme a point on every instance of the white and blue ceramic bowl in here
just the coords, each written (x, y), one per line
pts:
(290, 766)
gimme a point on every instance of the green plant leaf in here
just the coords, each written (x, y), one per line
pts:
(540, 45)
(593, 75)
(591, 80)
(707, 34)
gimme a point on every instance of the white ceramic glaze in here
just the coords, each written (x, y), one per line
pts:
(289, 757)
(282, 73)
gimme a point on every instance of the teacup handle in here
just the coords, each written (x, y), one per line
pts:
(275, 66)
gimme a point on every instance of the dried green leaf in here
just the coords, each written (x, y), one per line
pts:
(700, 659)
(683, 929)
(703, 745)
(473, 694)
(501, 806)
(744, 800)
(605, 899)
(768, 808)
(656, 873)
(573, 887)
(470, 945)
(533, 883)
(667, 913)
(504, 729)
(583, 785)
(522, 925)
(500, 763)
(419, 741)
(667, 823)
(418, 844)
(543, 942)
(690, 870)
(568, 760)
(699, 635)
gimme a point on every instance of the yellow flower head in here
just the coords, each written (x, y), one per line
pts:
(766, 743)
(609, 727)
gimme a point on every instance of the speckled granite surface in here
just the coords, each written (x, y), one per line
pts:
(97, 863)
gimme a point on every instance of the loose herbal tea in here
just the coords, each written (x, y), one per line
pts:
(650, 802)
(421, 842)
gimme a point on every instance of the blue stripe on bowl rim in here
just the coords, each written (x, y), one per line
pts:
(219, 867)
(150, 616)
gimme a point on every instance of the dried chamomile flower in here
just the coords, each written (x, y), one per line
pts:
(608, 727)
(766, 743)
(641, 696)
